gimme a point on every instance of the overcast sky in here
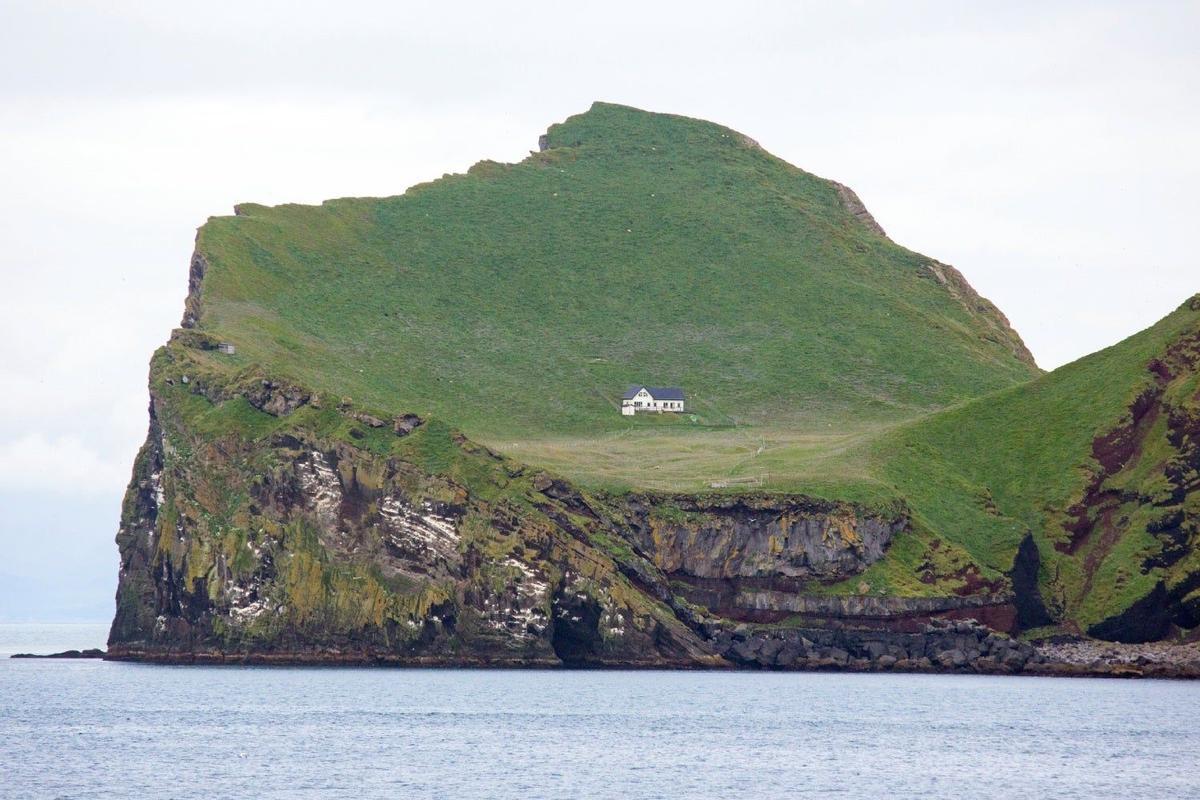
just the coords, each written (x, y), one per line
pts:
(1048, 150)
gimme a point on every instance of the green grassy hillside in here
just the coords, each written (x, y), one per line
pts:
(1097, 460)
(517, 301)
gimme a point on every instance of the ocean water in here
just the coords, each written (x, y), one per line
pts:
(91, 729)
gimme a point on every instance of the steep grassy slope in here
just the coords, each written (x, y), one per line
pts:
(1097, 461)
(517, 301)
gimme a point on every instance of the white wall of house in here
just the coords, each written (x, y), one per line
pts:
(644, 401)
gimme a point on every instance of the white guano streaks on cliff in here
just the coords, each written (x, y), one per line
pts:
(520, 612)
(322, 487)
(421, 531)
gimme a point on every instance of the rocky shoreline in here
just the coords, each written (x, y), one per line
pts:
(949, 646)
(1080, 656)
(942, 647)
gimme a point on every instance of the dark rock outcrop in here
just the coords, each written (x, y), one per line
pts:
(857, 208)
(1147, 620)
(1027, 597)
(749, 536)
(94, 652)
(982, 309)
(191, 305)
(942, 645)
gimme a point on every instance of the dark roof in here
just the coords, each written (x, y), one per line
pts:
(657, 392)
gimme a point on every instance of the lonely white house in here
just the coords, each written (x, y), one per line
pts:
(651, 398)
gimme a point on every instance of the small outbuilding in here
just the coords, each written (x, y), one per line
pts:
(652, 398)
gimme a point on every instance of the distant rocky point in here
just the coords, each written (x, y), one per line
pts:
(93, 652)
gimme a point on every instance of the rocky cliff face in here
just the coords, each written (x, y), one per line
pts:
(1144, 490)
(265, 522)
(270, 526)
(756, 537)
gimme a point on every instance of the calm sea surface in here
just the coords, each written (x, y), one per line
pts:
(95, 729)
